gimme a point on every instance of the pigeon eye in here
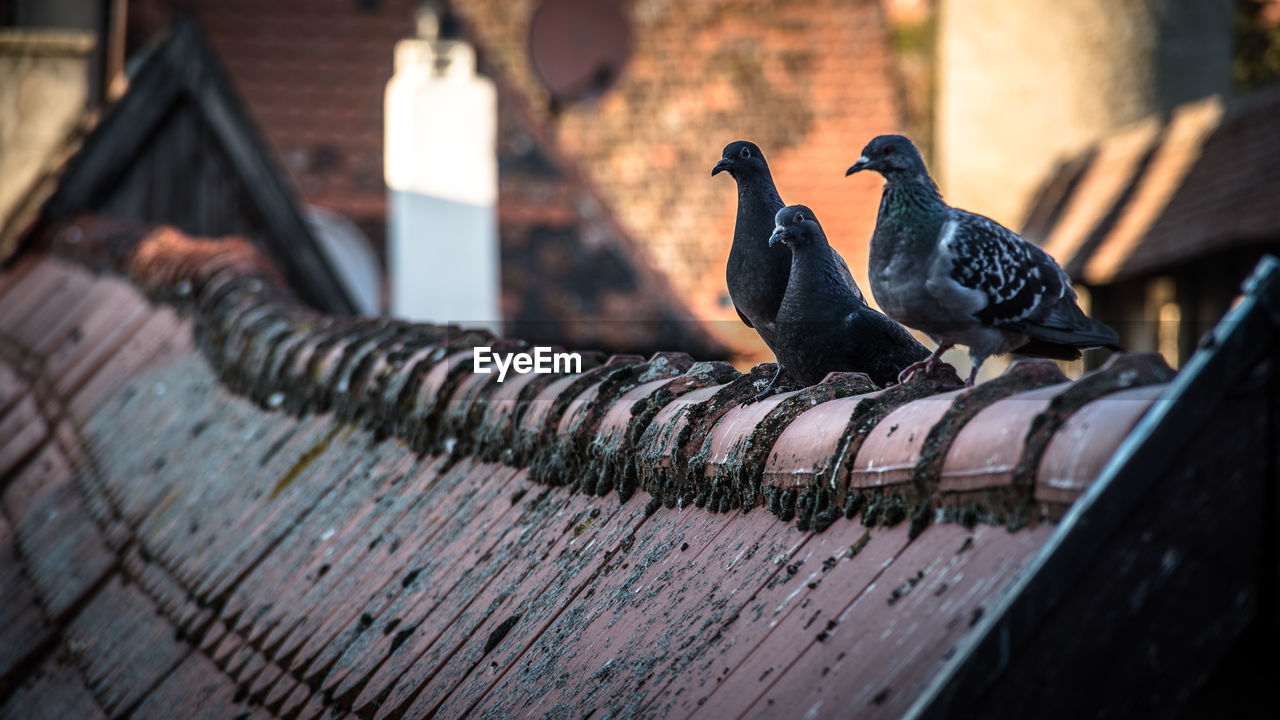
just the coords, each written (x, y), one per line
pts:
(745, 153)
(799, 217)
(888, 150)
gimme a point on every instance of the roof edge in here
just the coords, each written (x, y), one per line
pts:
(677, 428)
(1229, 352)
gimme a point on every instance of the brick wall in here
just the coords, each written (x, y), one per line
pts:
(810, 82)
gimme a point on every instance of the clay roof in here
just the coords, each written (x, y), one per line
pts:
(219, 501)
(1163, 193)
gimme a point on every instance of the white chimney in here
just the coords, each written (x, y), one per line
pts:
(442, 178)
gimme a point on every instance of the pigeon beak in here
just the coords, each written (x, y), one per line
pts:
(720, 166)
(862, 164)
(780, 235)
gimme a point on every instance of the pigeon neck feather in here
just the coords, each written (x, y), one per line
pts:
(815, 273)
(911, 215)
(762, 191)
(912, 199)
(758, 202)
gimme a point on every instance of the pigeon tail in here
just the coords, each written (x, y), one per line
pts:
(1037, 348)
(1068, 325)
(1098, 335)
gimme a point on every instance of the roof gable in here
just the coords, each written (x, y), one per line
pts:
(179, 148)
(1165, 191)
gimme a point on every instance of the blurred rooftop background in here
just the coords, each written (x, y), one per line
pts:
(611, 113)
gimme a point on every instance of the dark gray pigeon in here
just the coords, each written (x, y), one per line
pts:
(964, 279)
(823, 327)
(756, 272)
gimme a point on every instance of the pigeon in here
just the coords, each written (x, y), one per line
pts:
(756, 273)
(962, 278)
(822, 326)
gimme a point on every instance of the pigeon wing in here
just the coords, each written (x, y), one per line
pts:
(1020, 282)
(881, 347)
(848, 277)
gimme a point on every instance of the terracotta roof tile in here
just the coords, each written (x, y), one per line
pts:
(890, 452)
(926, 600)
(802, 454)
(583, 547)
(24, 431)
(736, 448)
(126, 647)
(68, 554)
(1065, 469)
(54, 691)
(629, 619)
(386, 628)
(289, 513)
(192, 689)
(783, 615)
(162, 336)
(12, 388)
(985, 452)
(24, 629)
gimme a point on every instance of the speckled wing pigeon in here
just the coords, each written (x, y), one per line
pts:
(822, 326)
(964, 279)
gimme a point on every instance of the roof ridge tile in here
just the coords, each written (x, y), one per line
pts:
(616, 454)
(735, 472)
(537, 430)
(686, 440)
(1120, 372)
(1021, 376)
(663, 465)
(567, 455)
(825, 494)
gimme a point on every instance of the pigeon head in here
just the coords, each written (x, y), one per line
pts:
(741, 158)
(893, 156)
(796, 227)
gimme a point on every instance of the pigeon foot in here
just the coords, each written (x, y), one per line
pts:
(927, 364)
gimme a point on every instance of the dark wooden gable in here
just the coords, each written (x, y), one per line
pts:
(179, 148)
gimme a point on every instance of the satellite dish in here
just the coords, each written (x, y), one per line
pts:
(578, 47)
